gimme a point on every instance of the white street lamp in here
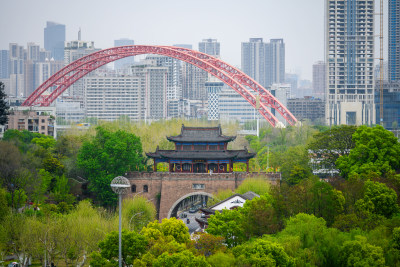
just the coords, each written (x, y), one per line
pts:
(120, 186)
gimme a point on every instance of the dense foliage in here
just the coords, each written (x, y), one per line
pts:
(351, 219)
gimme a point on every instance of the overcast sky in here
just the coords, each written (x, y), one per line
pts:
(165, 22)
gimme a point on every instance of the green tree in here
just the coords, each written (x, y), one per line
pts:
(181, 259)
(3, 106)
(108, 155)
(4, 209)
(308, 239)
(259, 217)
(396, 238)
(329, 145)
(262, 253)
(376, 150)
(10, 163)
(44, 141)
(295, 166)
(207, 244)
(221, 259)
(229, 225)
(138, 212)
(379, 199)
(133, 246)
(359, 253)
(172, 227)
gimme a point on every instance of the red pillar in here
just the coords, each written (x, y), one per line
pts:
(155, 166)
(247, 166)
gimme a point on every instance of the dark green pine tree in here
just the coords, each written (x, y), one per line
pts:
(3, 106)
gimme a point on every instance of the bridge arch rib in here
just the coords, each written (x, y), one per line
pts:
(184, 197)
(233, 77)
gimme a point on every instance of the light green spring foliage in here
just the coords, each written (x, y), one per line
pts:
(181, 259)
(359, 253)
(171, 236)
(167, 228)
(68, 239)
(137, 212)
(221, 259)
(262, 252)
(309, 240)
(257, 185)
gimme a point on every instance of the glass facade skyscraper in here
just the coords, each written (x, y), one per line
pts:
(54, 38)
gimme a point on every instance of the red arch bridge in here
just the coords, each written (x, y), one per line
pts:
(249, 89)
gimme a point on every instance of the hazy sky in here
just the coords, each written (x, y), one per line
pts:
(165, 22)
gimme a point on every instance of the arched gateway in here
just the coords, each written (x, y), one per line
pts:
(194, 146)
(236, 79)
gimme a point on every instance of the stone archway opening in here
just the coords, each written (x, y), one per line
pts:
(188, 203)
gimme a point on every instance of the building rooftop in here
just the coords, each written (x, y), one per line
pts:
(201, 134)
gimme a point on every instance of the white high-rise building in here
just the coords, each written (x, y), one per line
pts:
(155, 91)
(264, 62)
(174, 88)
(350, 62)
(108, 98)
(210, 47)
(72, 51)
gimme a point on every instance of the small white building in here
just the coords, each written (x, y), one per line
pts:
(235, 201)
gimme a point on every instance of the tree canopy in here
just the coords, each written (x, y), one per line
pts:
(107, 155)
(376, 150)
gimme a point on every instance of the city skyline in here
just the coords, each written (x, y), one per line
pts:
(299, 23)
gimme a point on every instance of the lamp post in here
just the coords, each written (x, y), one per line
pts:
(120, 186)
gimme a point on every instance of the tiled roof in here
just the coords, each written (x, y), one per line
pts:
(201, 134)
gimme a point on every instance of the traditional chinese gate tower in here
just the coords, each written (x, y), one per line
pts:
(201, 150)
